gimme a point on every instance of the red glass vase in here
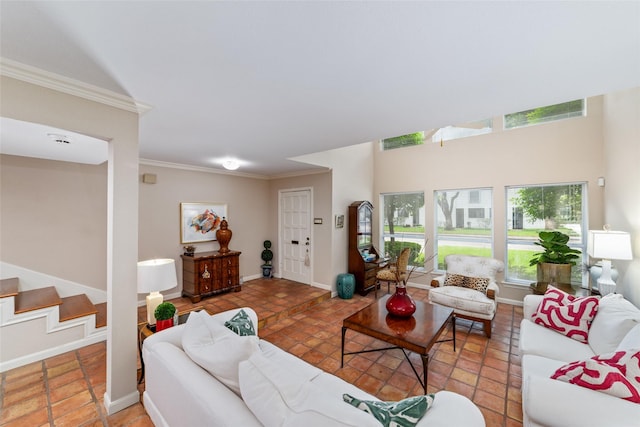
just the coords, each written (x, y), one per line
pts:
(400, 303)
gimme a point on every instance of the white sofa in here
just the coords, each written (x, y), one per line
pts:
(551, 402)
(275, 387)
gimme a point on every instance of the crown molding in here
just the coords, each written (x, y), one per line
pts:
(33, 75)
(149, 162)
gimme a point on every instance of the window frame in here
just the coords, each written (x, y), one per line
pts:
(546, 119)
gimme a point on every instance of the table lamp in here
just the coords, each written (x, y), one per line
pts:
(155, 275)
(608, 245)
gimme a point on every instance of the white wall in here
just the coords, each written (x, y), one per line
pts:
(621, 152)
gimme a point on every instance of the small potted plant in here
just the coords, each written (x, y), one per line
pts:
(267, 256)
(555, 262)
(164, 315)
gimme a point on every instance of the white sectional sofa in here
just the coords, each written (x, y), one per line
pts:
(270, 386)
(551, 402)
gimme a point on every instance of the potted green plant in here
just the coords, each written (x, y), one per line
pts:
(266, 256)
(164, 315)
(555, 262)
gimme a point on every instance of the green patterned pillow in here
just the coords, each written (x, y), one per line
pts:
(405, 413)
(241, 324)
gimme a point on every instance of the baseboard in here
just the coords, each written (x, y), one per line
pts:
(54, 351)
(124, 402)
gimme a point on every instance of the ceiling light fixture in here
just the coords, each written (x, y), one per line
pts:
(60, 139)
(230, 164)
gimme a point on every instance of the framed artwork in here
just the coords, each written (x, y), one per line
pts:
(339, 221)
(199, 221)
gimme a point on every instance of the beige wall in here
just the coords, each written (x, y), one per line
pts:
(562, 151)
(37, 104)
(53, 218)
(622, 189)
(247, 201)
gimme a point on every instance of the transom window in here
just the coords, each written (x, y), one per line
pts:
(545, 114)
(416, 138)
(531, 209)
(461, 229)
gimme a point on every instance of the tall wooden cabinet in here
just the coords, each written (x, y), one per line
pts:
(209, 273)
(363, 267)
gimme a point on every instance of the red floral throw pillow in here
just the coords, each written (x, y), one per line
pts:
(617, 374)
(566, 314)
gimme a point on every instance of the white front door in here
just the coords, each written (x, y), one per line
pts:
(295, 235)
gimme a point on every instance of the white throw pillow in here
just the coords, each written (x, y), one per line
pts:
(631, 340)
(616, 316)
(216, 348)
(277, 398)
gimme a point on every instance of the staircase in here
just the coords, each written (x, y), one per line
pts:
(69, 323)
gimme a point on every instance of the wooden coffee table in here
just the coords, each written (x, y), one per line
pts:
(417, 334)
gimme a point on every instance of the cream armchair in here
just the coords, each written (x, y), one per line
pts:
(469, 287)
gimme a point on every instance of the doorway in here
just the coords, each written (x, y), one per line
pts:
(295, 235)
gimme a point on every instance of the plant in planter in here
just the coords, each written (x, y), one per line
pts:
(266, 256)
(164, 315)
(555, 262)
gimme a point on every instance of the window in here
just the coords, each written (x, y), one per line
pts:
(461, 229)
(545, 114)
(403, 225)
(476, 213)
(448, 133)
(531, 209)
(403, 141)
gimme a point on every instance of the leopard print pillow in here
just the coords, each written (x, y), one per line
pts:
(477, 283)
(454, 280)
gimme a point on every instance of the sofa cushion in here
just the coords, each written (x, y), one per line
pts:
(541, 341)
(217, 349)
(277, 398)
(616, 317)
(616, 373)
(465, 299)
(566, 314)
(631, 340)
(406, 412)
(241, 324)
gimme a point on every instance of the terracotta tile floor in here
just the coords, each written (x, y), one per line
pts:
(67, 390)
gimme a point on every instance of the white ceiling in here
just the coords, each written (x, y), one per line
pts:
(267, 81)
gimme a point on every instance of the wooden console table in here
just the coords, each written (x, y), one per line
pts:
(209, 273)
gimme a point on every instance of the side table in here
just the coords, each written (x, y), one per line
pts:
(145, 331)
(539, 288)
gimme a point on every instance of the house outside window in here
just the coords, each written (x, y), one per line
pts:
(448, 133)
(403, 225)
(462, 229)
(531, 209)
(545, 114)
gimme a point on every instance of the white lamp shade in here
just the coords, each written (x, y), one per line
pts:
(156, 275)
(609, 245)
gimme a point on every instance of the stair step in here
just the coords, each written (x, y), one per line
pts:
(76, 306)
(9, 287)
(101, 317)
(36, 299)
